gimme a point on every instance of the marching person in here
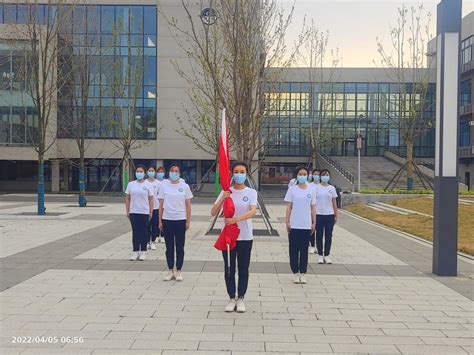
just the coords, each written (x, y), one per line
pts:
(174, 219)
(245, 202)
(153, 229)
(326, 216)
(160, 176)
(300, 222)
(316, 180)
(139, 209)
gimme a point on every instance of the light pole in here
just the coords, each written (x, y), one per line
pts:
(359, 147)
(445, 221)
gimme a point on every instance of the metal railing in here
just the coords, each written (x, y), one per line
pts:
(336, 165)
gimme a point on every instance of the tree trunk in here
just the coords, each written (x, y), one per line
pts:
(41, 207)
(125, 173)
(410, 168)
(82, 182)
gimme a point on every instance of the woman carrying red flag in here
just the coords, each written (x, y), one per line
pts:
(245, 202)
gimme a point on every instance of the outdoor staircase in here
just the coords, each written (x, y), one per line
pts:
(376, 172)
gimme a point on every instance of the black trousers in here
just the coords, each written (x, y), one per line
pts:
(299, 239)
(174, 233)
(139, 231)
(324, 227)
(241, 253)
(153, 226)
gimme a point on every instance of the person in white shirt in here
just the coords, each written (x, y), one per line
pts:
(160, 176)
(153, 229)
(139, 209)
(300, 222)
(245, 202)
(174, 218)
(316, 181)
(326, 216)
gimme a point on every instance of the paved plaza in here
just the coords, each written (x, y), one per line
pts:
(68, 275)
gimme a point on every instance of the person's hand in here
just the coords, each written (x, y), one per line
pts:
(226, 194)
(188, 224)
(313, 227)
(128, 215)
(150, 216)
(160, 225)
(288, 227)
(335, 219)
(231, 220)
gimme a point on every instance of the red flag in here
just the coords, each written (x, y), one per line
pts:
(229, 234)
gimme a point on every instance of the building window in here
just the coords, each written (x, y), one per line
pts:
(464, 134)
(466, 92)
(466, 50)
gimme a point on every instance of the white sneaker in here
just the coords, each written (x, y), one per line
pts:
(321, 260)
(178, 276)
(148, 246)
(312, 250)
(231, 305)
(297, 278)
(134, 256)
(327, 260)
(153, 246)
(302, 279)
(142, 256)
(169, 276)
(240, 305)
(159, 240)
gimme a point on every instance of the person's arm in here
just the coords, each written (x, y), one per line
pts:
(313, 218)
(334, 206)
(150, 203)
(127, 205)
(160, 214)
(216, 207)
(188, 213)
(242, 217)
(289, 206)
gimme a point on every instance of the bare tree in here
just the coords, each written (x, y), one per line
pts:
(39, 34)
(314, 55)
(124, 117)
(230, 48)
(79, 108)
(406, 64)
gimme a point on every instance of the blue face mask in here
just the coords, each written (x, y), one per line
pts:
(139, 175)
(174, 176)
(325, 179)
(316, 178)
(160, 176)
(151, 174)
(302, 179)
(240, 178)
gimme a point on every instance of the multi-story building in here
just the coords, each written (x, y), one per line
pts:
(357, 100)
(466, 100)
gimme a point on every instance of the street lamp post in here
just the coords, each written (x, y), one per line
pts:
(445, 221)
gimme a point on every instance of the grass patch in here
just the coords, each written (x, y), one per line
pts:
(418, 225)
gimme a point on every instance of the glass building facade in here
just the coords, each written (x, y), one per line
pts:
(337, 111)
(119, 40)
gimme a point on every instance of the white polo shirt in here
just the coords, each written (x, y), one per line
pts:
(324, 197)
(302, 200)
(156, 188)
(139, 193)
(243, 200)
(174, 198)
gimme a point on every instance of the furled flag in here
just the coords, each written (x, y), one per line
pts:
(229, 234)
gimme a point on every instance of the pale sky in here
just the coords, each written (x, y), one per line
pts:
(354, 24)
